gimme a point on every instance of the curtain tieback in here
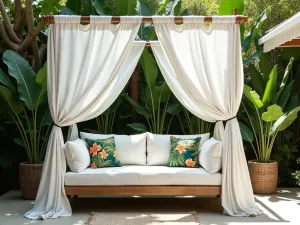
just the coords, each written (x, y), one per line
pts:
(57, 125)
(226, 120)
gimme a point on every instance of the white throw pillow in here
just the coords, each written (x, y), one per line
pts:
(77, 155)
(159, 146)
(210, 156)
(130, 148)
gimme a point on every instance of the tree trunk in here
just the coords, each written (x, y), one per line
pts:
(134, 90)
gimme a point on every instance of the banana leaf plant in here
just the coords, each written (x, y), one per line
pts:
(264, 107)
(26, 103)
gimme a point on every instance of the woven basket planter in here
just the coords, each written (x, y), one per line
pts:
(263, 176)
(30, 176)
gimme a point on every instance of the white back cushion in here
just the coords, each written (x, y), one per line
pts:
(130, 148)
(210, 156)
(159, 146)
(77, 155)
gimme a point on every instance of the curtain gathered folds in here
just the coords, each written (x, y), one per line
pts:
(202, 64)
(88, 67)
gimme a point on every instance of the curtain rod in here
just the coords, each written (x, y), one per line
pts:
(146, 19)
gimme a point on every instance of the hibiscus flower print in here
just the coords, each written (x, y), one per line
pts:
(103, 154)
(191, 143)
(180, 147)
(93, 165)
(116, 156)
(94, 149)
(190, 163)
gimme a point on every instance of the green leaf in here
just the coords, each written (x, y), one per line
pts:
(139, 109)
(173, 8)
(227, 6)
(74, 6)
(44, 117)
(174, 109)
(185, 12)
(138, 127)
(19, 141)
(101, 7)
(254, 56)
(149, 67)
(162, 7)
(256, 79)
(247, 134)
(127, 7)
(255, 29)
(285, 77)
(160, 94)
(274, 112)
(19, 68)
(270, 91)
(265, 67)
(252, 96)
(285, 121)
(294, 102)
(9, 102)
(86, 7)
(285, 95)
(143, 8)
(50, 6)
(4, 79)
(41, 80)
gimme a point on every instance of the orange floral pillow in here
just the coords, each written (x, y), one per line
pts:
(184, 152)
(103, 153)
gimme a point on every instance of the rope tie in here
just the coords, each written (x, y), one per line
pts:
(226, 120)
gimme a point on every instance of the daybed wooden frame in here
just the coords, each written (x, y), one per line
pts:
(203, 190)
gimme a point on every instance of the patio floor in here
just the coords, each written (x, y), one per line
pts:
(279, 209)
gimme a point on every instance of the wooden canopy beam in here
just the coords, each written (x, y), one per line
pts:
(146, 19)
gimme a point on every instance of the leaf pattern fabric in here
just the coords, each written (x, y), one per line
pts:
(184, 152)
(103, 153)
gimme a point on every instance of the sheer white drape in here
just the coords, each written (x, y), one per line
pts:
(203, 67)
(88, 67)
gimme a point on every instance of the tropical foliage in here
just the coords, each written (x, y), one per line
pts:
(103, 153)
(26, 104)
(184, 152)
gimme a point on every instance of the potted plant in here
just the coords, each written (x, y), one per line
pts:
(27, 105)
(266, 118)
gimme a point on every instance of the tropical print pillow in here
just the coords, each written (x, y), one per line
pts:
(103, 153)
(184, 152)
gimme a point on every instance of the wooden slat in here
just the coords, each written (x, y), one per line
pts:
(292, 43)
(143, 190)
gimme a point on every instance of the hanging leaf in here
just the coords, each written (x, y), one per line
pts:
(4, 79)
(285, 77)
(285, 121)
(173, 8)
(227, 6)
(138, 127)
(285, 95)
(9, 102)
(149, 67)
(127, 7)
(270, 91)
(174, 109)
(19, 141)
(139, 109)
(44, 117)
(101, 8)
(256, 79)
(254, 30)
(247, 134)
(274, 112)
(41, 80)
(252, 96)
(19, 68)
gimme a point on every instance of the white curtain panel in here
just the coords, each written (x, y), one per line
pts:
(203, 67)
(88, 67)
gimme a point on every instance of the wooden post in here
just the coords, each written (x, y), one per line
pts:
(134, 90)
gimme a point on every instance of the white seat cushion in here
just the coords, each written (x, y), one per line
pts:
(130, 148)
(77, 155)
(159, 146)
(142, 175)
(210, 156)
